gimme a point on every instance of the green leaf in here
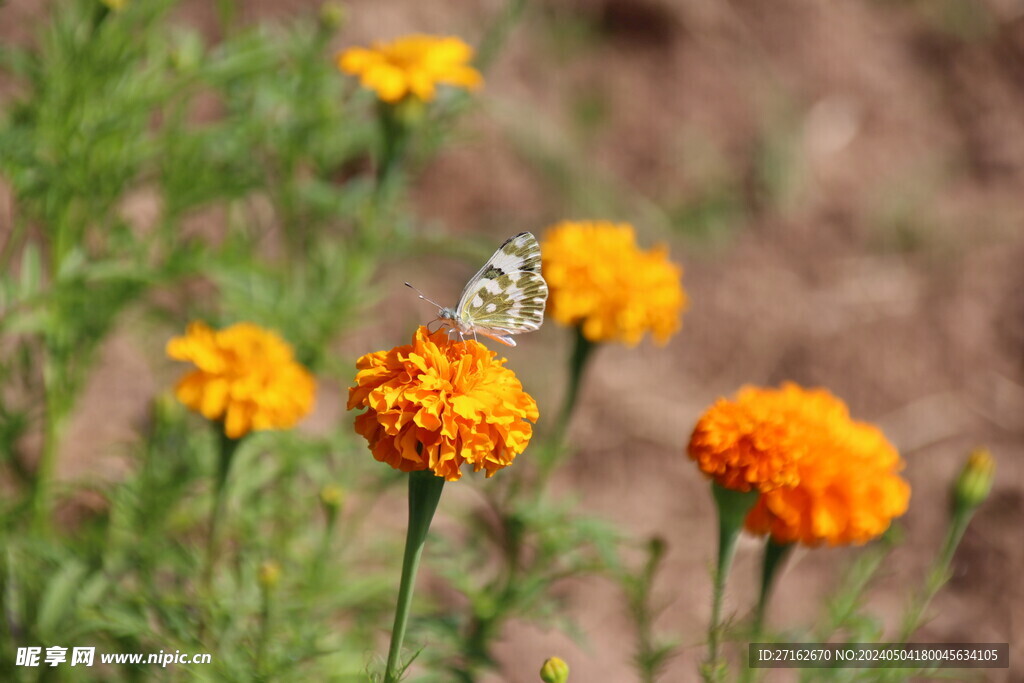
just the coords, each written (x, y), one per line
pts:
(60, 597)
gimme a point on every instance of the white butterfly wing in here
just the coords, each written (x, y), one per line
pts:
(508, 294)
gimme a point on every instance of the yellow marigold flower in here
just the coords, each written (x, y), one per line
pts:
(436, 404)
(601, 281)
(412, 65)
(245, 375)
(823, 477)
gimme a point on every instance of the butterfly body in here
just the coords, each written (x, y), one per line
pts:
(505, 297)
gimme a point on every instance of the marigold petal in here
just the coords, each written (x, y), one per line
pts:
(466, 77)
(238, 420)
(355, 60)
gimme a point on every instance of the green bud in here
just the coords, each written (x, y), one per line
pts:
(332, 496)
(270, 575)
(332, 15)
(975, 481)
(554, 671)
(656, 549)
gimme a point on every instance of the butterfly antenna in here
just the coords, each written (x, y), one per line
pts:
(421, 295)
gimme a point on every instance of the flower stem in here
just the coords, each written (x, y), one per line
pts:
(397, 123)
(53, 420)
(937, 576)
(324, 551)
(733, 507)
(582, 351)
(649, 656)
(394, 139)
(227, 447)
(775, 555)
(424, 493)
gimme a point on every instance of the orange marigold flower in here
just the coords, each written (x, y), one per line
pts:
(853, 501)
(824, 478)
(755, 441)
(245, 375)
(436, 404)
(411, 65)
(601, 281)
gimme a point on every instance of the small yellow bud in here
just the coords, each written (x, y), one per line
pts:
(332, 496)
(332, 15)
(975, 481)
(115, 5)
(554, 671)
(270, 574)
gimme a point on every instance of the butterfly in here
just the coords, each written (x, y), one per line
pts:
(505, 297)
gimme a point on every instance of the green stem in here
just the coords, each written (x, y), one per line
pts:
(582, 351)
(227, 447)
(775, 555)
(649, 659)
(424, 493)
(397, 122)
(937, 576)
(52, 423)
(394, 138)
(733, 507)
(325, 545)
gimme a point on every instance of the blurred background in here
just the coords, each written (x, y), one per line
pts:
(843, 184)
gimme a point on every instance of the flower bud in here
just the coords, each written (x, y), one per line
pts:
(975, 481)
(554, 671)
(332, 15)
(269, 575)
(332, 496)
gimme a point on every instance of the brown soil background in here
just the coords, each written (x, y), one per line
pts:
(883, 259)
